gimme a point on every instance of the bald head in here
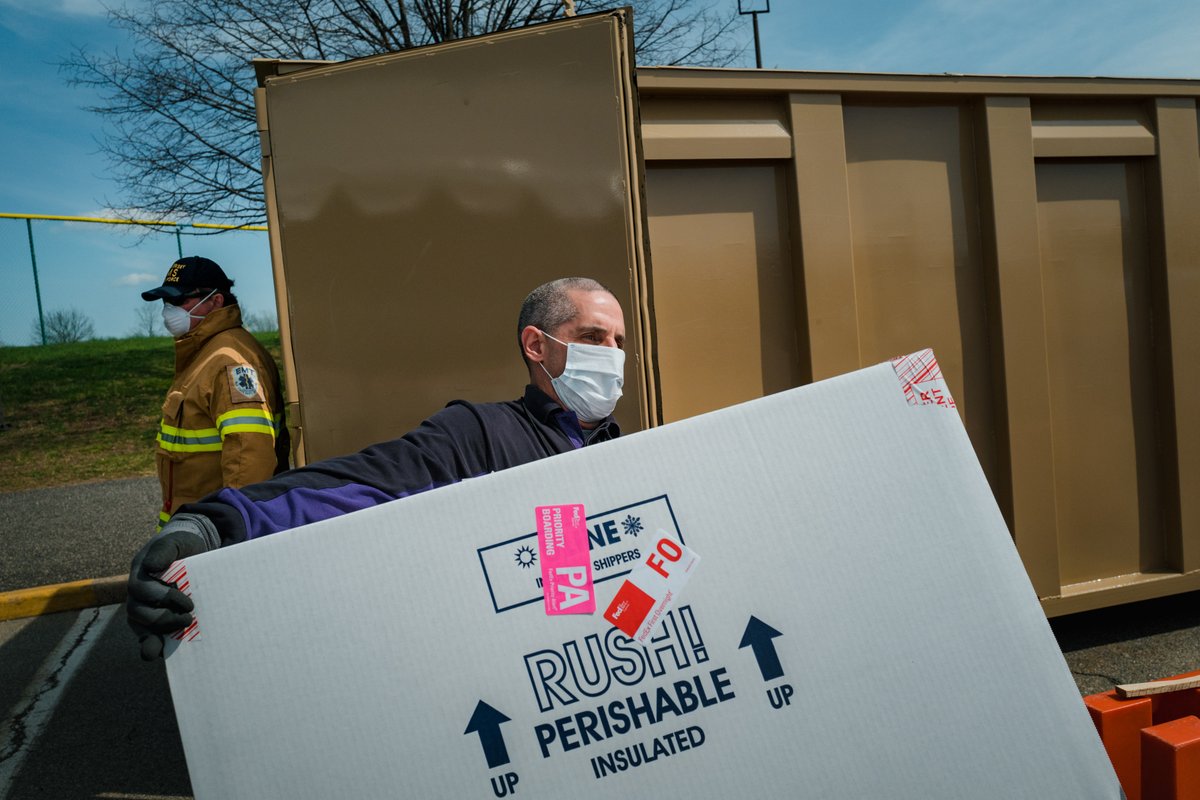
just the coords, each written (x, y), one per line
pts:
(552, 305)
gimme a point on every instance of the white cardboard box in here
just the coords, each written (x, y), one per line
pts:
(404, 651)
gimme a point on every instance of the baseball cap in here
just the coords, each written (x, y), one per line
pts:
(188, 275)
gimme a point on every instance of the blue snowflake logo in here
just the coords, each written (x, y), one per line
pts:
(632, 525)
(525, 557)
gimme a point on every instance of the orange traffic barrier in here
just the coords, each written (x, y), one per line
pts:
(1120, 723)
(1171, 760)
(1185, 703)
(1151, 737)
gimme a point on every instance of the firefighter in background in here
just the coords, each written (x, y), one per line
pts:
(222, 422)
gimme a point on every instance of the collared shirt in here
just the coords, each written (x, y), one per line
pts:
(568, 421)
(463, 440)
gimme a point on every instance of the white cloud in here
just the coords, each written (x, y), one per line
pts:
(1015, 37)
(71, 8)
(90, 8)
(1162, 50)
(137, 279)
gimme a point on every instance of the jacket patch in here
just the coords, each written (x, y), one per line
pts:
(244, 386)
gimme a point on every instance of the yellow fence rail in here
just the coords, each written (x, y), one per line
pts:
(166, 226)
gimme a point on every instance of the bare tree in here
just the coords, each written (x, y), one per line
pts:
(147, 320)
(63, 326)
(260, 321)
(180, 107)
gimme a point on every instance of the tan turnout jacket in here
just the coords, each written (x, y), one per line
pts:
(222, 422)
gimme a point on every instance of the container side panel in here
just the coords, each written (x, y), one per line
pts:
(1073, 128)
(723, 285)
(822, 208)
(1179, 169)
(1026, 457)
(919, 277)
(1092, 222)
(729, 128)
(421, 196)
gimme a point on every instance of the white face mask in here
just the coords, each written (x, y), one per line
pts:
(178, 320)
(590, 385)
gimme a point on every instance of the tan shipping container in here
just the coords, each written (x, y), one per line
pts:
(763, 230)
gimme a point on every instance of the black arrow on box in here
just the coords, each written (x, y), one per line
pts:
(758, 636)
(486, 722)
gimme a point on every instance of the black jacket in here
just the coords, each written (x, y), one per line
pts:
(463, 440)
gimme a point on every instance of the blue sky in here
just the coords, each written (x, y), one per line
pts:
(1114, 38)
(49, 162)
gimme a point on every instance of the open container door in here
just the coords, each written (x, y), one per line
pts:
(415, 198)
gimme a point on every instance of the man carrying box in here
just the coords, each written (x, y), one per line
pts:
(570, 331)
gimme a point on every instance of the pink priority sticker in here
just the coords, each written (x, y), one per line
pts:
(566, 560)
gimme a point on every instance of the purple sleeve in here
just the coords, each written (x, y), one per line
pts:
(447, 448)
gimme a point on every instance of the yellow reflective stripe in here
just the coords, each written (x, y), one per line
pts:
(162, 520)
(243, 413)
(177, 447)
(189, 433)
(248, 420)
(263, 428)
(208, 440)
(187, 440)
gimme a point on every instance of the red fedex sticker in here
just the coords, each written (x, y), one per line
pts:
(652, 588)
(566, 560)
(629, 608)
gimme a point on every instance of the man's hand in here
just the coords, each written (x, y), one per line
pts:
(155, 608)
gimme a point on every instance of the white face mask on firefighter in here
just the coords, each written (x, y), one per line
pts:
(590, 384)
(178, 320)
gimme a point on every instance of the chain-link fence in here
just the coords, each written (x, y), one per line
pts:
(76, 278)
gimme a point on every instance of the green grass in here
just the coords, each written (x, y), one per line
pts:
(84, 411)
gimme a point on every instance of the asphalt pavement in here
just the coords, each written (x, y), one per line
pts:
(81, 716)
(72, 533)
(85, 716)
(1132, 643)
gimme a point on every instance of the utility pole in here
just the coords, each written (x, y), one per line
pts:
(754, 8)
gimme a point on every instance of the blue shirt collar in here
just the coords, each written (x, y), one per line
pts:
(547, 410)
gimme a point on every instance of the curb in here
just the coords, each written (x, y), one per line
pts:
(56, 597)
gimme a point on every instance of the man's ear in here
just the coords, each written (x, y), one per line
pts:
(533, 344)
(219, 300)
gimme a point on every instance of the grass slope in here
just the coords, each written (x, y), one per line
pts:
(84, 411)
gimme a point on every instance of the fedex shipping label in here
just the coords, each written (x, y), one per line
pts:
(617, 540)
(566, 563)
(652, 588)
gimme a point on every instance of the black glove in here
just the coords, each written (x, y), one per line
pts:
(153, 607)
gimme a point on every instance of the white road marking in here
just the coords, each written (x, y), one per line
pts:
(41, 696)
